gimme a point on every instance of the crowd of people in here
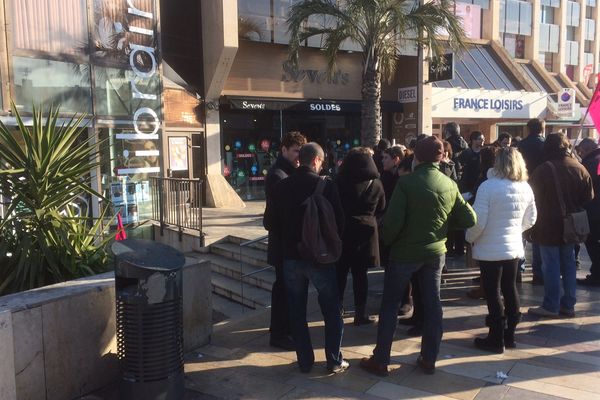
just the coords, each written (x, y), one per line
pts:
(408, 210)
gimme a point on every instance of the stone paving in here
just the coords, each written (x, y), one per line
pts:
(555, 358)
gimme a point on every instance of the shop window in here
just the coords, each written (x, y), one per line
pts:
(53, 82)
(51, 26)
(114, 96)
(126, 167)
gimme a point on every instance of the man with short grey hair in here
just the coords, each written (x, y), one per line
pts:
(590, 158)
(285, 219)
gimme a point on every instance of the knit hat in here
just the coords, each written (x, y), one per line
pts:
(430, 149)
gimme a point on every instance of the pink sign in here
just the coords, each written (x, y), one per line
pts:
(470, 14)
(594, 108)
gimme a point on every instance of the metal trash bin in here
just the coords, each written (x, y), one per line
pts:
(148, 285)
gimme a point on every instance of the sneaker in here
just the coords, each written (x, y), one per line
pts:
(564, 312)
(370, 365)
(426, 367)
(541, 312)
(341, 367)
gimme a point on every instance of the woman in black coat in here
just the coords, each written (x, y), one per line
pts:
(362, 198)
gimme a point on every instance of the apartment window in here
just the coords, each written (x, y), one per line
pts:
(485, 4)
(570, 31)
(572, 52)
(514, 44)
(588, 46)
(573, 12)
(515, 17)
(547, 14)
(549, 37)
(590, 29)
(547, 59)
(550, 3)
(591, 3)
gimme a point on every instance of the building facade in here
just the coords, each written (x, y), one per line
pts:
(108, 60)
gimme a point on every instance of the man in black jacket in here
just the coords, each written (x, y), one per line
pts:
(284, 166)
(590, 158)
(285, 219)
(532, 149)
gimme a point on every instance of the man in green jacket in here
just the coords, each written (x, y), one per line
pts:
(424, 205)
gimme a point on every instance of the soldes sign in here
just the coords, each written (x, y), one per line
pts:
(324, 107)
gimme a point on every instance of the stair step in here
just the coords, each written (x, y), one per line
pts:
(259, 245)
(227, 309)
(248, 255)
(230, 288)
(255, 276)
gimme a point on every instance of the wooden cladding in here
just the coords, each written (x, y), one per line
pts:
(182, 109)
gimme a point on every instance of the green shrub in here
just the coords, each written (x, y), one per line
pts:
(44, 168)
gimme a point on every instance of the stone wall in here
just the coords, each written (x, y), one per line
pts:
(58, 342)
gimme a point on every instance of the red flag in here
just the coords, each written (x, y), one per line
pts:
(121, 234)
(594, 107)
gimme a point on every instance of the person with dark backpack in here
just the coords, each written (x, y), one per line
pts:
(307, 215)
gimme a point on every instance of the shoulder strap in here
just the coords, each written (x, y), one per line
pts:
(364, 193)
(561, 200)
(320, 185)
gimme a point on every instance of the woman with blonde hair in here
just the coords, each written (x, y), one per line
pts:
(505, 208)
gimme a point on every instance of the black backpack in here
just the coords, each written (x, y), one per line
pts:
(319, 241)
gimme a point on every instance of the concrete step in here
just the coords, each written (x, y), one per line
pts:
(230, 288)
(258, 245)
(233, 251)
(225, 309)
(255, 276)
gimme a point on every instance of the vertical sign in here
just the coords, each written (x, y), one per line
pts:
(143, 63)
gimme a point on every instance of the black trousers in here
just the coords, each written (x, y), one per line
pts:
(455, 242)
(280, 326)
(499, 278)
(360, 282)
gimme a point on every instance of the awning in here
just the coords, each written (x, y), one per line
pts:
(478, 68)
(312, 106)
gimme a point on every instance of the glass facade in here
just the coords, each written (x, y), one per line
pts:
(251, 139)
(265, 21)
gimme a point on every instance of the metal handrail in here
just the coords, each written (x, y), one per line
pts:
(242, 275)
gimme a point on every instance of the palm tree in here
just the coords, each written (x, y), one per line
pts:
(381, 28)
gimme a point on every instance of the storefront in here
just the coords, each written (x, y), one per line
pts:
(486, 110)
(253, 128)
(265, 97)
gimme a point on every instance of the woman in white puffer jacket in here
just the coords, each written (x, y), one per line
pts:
(505, 208)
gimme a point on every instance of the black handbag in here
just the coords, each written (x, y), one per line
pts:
(576, 226)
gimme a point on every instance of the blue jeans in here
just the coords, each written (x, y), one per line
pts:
(397, 276)
(296, 275)
(559, 261)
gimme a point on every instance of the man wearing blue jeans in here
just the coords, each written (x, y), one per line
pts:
(285, 219)
(424, 204)
(561, 185)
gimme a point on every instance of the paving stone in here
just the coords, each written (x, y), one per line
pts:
(392, 391)
(444, 383)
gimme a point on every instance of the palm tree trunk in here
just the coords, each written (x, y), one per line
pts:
(371, 107)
